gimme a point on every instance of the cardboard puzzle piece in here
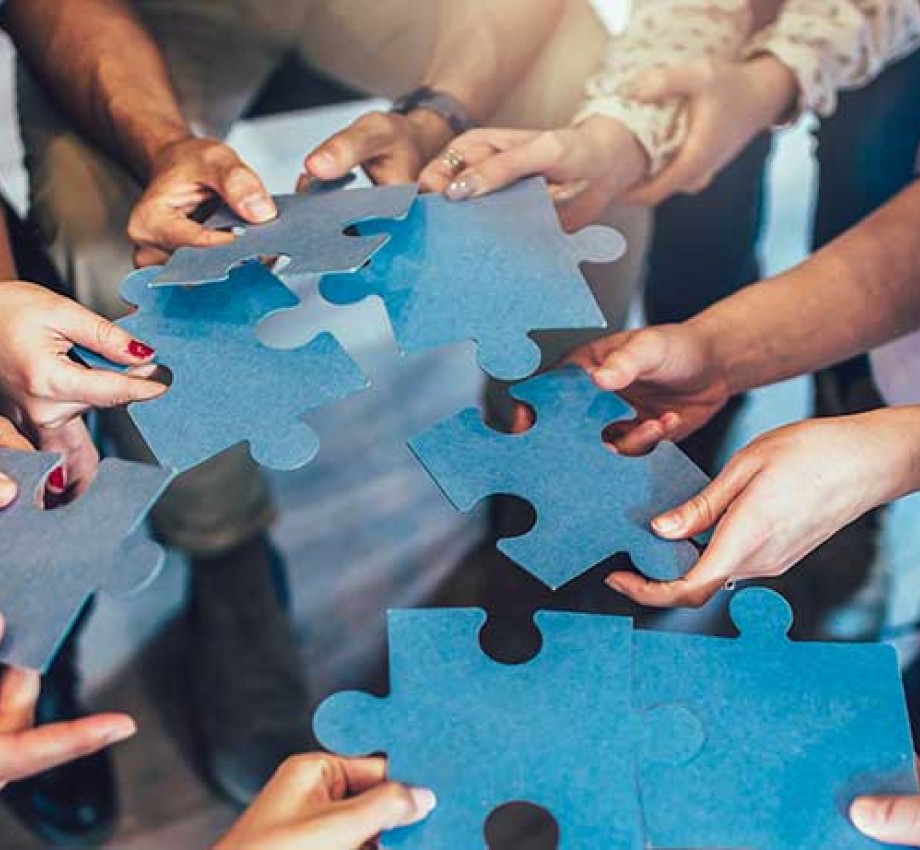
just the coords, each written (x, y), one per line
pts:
(590, 502)
(557, 732)
(228, 387)
(794, 732)
(309, 230)
(491, 270)
(52, 561)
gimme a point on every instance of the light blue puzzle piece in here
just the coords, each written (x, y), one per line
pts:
(795, 731)
(557, 732)
(590, 502)
(51, 562)
(491, 270)
(309, 230)
(227, 387)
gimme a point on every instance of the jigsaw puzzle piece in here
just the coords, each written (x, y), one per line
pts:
(794, 731)
(54, 560)
(481, 734)
(491, 269)
(590, 502)
(309, 230)
(229, 388)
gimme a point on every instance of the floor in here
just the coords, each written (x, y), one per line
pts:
(362, 510)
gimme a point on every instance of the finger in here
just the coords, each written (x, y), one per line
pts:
(441, 171)
(144, 257)
(10, 438)
(691, 591)
(242, 190)
(661, 84)
(102, 388)
(165, 229)
(364, 774)
(369, 137)
(83, 327)
(639, 356)
(27, 753)
(522, 418)
(391, 171)
(81, 457)
(19, 691)
(640, 439)
(892, 820)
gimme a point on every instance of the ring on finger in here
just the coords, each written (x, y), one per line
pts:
(453, 159)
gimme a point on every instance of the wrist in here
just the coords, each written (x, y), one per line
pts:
(714, 340)
(775, 88)
(896, 432)
(152, 147)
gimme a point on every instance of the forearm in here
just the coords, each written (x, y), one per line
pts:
(858, 292)
(103, 66)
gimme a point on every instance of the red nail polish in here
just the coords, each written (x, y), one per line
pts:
(57, 480)
(138, 349)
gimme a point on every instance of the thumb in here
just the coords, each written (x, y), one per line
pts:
(241, 189)
(662, 84)
(83, 327)
(893, 820)
(638, 356)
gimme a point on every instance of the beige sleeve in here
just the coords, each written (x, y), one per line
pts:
(662, 33)
(832, 45)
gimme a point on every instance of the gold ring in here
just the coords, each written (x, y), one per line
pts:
(453, 159)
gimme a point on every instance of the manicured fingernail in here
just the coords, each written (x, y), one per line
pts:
(865, 814)
(119, 730)
(666, 523)
(462, 188)
(140, 350)
(58, 479)
(260, 208)
(424, 800)
(7, 493)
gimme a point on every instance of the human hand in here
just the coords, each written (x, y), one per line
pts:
(320, 802)
(587, 167)
(10, 438)
(26, 750)
(728, 103)
(185, 175)
(47, 390)
(391, 148)
(668, 373)
(781, 497)
(891, 820)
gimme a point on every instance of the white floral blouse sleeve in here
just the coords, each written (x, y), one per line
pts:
(831, 45)
(662, 33)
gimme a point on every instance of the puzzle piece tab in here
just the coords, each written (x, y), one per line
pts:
(309, 230)
(795, 731)
(53, 561)
(590, 502)
(491, 269)
(227, 387)
(557, 732)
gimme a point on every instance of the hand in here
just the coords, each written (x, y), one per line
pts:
(891, 820)
(185, 175)
(728, 104)
(587, 167)
(391, 148)
(668, 373)
(10, 438)
(320, 802)
(781, 497)
(47, 390)
(26, 751)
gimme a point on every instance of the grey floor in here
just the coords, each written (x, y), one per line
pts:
(362, 527)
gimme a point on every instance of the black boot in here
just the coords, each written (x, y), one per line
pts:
(247, 687)
(74, 804)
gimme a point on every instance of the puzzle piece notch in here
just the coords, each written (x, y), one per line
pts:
(794, 732)
(229, 388)
(590, 502)
(482, 734)
(309, 230)
(493, 269)
(54, 560)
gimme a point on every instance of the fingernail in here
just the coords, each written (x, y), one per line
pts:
(424, 800)
(865, 814)
(140, 350)
(7, 493)
(462, 188)
(120, 730)
(260, 208)
(323, 159)
(614, 582)
(604, 377)
(58, 479)
(666, 523)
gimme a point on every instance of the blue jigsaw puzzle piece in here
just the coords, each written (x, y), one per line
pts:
(557, 732)
(53, 561)
(590, 502)
(491, 270)
(309, 230)
(795, 731)
(227, 387)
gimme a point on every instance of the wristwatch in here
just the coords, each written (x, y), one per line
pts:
(439, 102)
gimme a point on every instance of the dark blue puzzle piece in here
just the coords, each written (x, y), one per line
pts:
(558, 732)
(309, 230)
(590, 502)
(795, 731)
(53, 561)
(491, 270)
(227, 387)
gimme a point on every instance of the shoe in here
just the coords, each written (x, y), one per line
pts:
(246, 683)
(75, 804)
